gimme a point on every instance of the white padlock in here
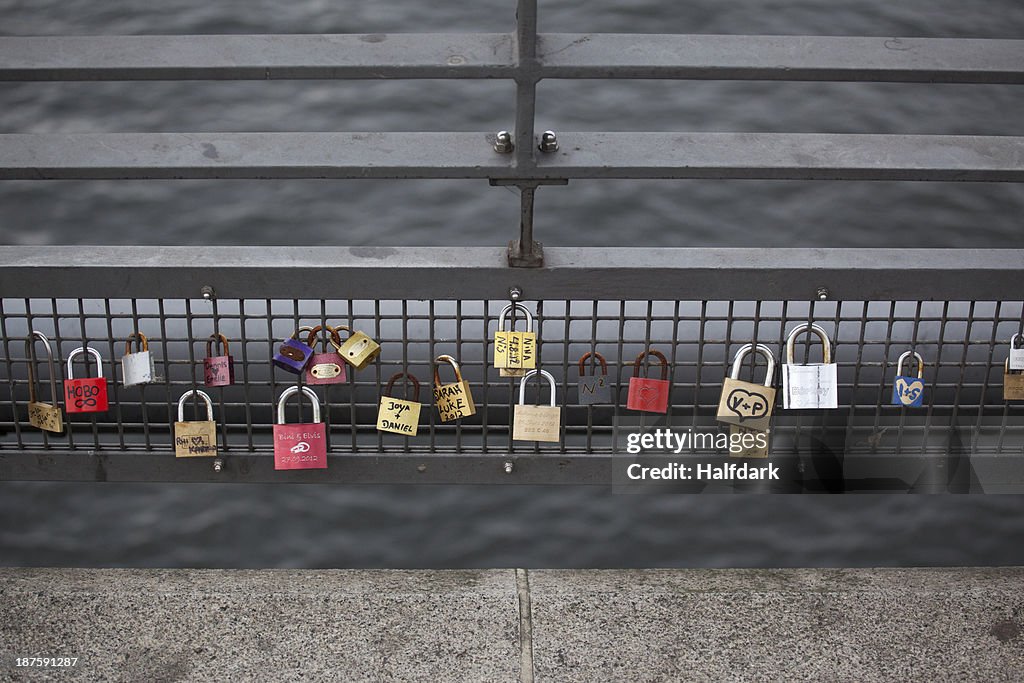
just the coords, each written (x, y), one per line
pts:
(1016, 352)
(137, 367)
(815, 385)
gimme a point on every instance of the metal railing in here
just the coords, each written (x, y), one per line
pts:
(695, 305)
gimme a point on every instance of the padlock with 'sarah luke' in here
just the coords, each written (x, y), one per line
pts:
(359, 349)
(293, 354)
(300, 446)
(45, 416)
(515, 352)
(908, 391)
(593, 389)
(218, 371)
(646, 394)
(137, 367)
(89, 394)
(747, 404)
(535, 422)
(197, 438)
(452, 400)
(398, 415)
(815, 385)
(327, 367)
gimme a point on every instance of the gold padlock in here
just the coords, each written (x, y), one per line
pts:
(536, 423)
(359, 349)
(452, 400)
(397, 415)
(744, 403)
(1013, 383)
(515, 352)
(198, 438)
(45, 416)
(748, 443)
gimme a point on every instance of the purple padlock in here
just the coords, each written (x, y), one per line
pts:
(293, 355)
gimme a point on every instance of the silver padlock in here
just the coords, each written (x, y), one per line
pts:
(815, 385)
(1016, 352)
(137, 367)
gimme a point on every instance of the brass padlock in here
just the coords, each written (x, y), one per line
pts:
(536, 423)
(359, 350)
(397, 415)
(197, 438)
(515, 351)
(45, 416)
(452, 400)
(1013, 383)
(744, 403)
(748, 443)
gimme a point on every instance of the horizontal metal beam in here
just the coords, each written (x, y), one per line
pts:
(568, 273)
(469, 155)
(491, 55)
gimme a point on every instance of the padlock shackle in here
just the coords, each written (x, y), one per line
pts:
(815, 329)
(600, 359)
(201, 394)
(338, 328)
(415, 386)
(223, 341)
(518, 307)
(657, 354)
(920, 363)
(31, 356)
(303, 328)
(141, 342)
(1014, 341)
(446, 359)
(747, 349)
(334, 337)
(522, 385)
(80, 351)
(291, 391)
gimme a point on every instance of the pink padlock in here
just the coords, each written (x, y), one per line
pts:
(299, 446)
(327, 367)
(218, 371)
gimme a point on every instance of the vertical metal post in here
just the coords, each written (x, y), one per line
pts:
(527, 76)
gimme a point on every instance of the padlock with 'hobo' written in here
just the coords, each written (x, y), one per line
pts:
(397, 415)
(137, 367)
(327, 367)
(744, 403)
(515, 351)
(593, 389)
(815, 385)
(646, 394)
(89, 394)
(300, 446)
(45, 416)
(197, 438)
(218, 371)
(452, 400)
(908, 391)
(293, 354)
(534, 422)
(359, 349)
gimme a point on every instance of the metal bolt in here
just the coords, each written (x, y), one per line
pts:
(548, 142)
(218, 465)
(823, 293)
(515, 293)
(208, 293)
(509, 467)
(503, 142)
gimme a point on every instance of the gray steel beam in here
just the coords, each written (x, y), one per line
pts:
(473, 55)
(470, 155)
(568, 273)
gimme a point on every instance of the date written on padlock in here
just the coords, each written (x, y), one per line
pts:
(45, 416)
(744, 403)
(906, 390)
(815, 385)
(397, 415)
(197, 438)
(515, 350)
(89, 394)
(536, 423)
(299, 446)
(452, 400)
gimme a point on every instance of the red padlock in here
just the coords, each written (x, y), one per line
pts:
(218, 371)
(646, 394)
(87, 395)
(300, 446)
(327, 367)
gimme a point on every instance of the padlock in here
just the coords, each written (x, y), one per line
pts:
(397, 415)
(907, 390)
(536, 423)
(197, 438)
(744, 403)
(138, 367)
(1013, 383)
(218, 371)
(299, 446)
(45, 416)
(452, 400)
(327, 367)
(87, 395)
(593, 389)
(1016, 352)
(748, 443)
(515, 350)
(358, 350)
(646, 394)
(815, 385)
(293, 355)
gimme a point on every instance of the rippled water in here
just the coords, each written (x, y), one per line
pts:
(297, 526)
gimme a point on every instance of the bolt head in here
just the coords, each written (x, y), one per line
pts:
(823, 293)
(515, 293)
(503, 142)
(509, 467)
(548, 142)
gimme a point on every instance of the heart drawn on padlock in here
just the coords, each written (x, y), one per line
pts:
(909, 391)
(648, 395)
(747, 405)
